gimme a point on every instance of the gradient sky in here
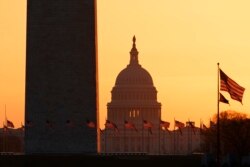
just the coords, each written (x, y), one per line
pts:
(179, 44)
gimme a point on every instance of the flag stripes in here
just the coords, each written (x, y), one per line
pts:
(227, 84)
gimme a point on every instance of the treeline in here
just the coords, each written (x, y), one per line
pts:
(234, 134)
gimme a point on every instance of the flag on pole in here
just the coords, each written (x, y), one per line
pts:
(90, 124)
(223, 99)
(111, 125)
(178, 124)
(148, 125)
(164, 125)
(204, 126)
(227, 84)
(10, 124)
(129, 125)
(191, 124)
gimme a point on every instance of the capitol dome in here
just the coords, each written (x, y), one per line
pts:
(134, 74)
(134, 85)
(134, 100)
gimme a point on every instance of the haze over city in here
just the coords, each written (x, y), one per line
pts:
(179, 43)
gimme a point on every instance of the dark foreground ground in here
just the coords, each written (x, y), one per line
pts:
(98, 160)
(117, 160)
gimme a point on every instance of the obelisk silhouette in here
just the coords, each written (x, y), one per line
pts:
(61, 77)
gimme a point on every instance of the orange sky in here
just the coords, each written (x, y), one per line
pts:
(179, 44)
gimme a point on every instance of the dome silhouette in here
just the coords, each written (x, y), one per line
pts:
(134, 74)
(133, 100)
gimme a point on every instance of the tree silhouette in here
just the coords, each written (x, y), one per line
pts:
(234, 134)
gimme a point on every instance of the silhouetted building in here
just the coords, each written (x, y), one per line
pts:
(134, 99)
(134, 117)
(61, 76)
(12, 140)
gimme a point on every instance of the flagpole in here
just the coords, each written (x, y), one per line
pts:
(159, 132)
(159, 139)
(125, 142)
(218, 118)
(5, 131)
(174, 137)
(191, 131)
(105, 136)
(189, 136)
(164, 138)
(143, 150)
(5, 121)
(124, 132)
(148, 141)
(3, 137)
(201, 128)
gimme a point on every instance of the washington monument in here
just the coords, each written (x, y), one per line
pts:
(61, 77)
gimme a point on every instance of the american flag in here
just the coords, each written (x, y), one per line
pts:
(223, 99)
(111, 125)
(10, 124)
(227, 84)
(90, 124)
(147, 124)
(165, 124)
(129, 125)
(179, 124)
(101, 130)
(204, 126)
(191, 124)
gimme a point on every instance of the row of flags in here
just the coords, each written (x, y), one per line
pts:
(129, 125)
(148, 125)
(111, 125)
(9, 124)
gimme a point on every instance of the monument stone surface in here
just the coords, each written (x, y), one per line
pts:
(61, 77)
